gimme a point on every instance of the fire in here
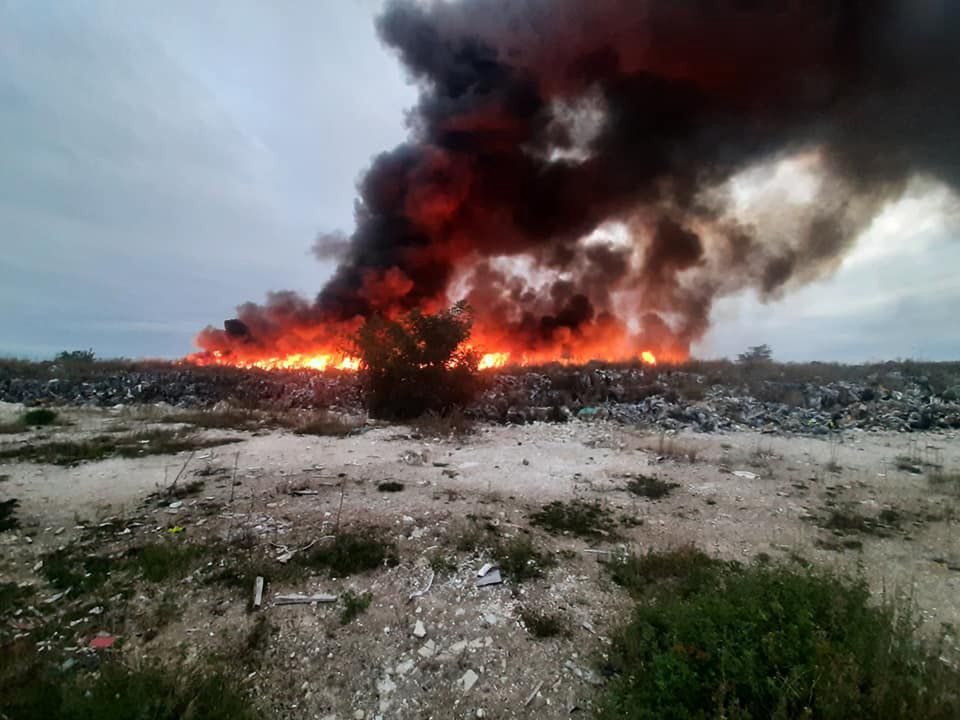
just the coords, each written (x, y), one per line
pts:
(493, 360)
(341, 361)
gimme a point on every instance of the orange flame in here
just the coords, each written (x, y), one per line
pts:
(341, 361)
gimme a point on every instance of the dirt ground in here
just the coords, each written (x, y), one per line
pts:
(738, 496)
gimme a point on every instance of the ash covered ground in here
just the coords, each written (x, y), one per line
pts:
(232, 475)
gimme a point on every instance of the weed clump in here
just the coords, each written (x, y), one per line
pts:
(354, 605)
(521, 560)
(152, 442)
(351, 553)
(772, 642)
(575, 517)
(541, 624)
(39, 416)
(684, 570)
(158, 562)
(117, 692)
(650, 487)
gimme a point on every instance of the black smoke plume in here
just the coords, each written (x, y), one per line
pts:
(540, 121)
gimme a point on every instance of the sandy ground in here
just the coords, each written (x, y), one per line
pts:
(738, 495)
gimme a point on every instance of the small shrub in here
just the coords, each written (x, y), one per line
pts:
(774, 642)
(521, 560)
(352, 552)
(540, 624)
(418, 363)
(684, 570)
(474, 537)
(390, 486)
(39, 416)
(650, 487)
(76, 357)
(353, 605)
(576, 517)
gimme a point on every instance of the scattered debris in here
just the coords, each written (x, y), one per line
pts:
(258, 591)
(412, 457)
(468, 680)
(103, 641)
(491, 578)
(533, 694)
(745, 474)
(419, 630)
(298, 599)
(424, 591)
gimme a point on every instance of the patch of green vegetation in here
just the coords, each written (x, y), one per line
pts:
(31, 691)
(839, 545)
(683, 570)
(769, 641)
(353, 605)
(11, 595)
(650, 487)
(73, 567)
(541, 624)
(575, 517)
(8, 516)
(151, 442)
(521, 560)
(390, 486)
(159, 562)
(39, 416)
(475, 536)
(350, 553)
(848, 520)
(256, 641)
(945, 480)
(443, 564)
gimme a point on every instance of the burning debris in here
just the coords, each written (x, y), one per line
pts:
(592, 176)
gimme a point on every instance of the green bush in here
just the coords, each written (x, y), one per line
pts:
(772, 642)
(418, 363)
(39, 416)
(117, 692)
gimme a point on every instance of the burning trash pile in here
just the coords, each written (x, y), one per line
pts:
(592, 176)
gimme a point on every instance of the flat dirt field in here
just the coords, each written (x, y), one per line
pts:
(863, 503)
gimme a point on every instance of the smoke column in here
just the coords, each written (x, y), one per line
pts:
(576, 169)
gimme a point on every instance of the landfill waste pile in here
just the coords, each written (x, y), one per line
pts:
(705, 397)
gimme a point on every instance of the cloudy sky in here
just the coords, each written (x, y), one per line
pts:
(163, 162)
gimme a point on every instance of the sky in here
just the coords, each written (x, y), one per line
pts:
(160, 163)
